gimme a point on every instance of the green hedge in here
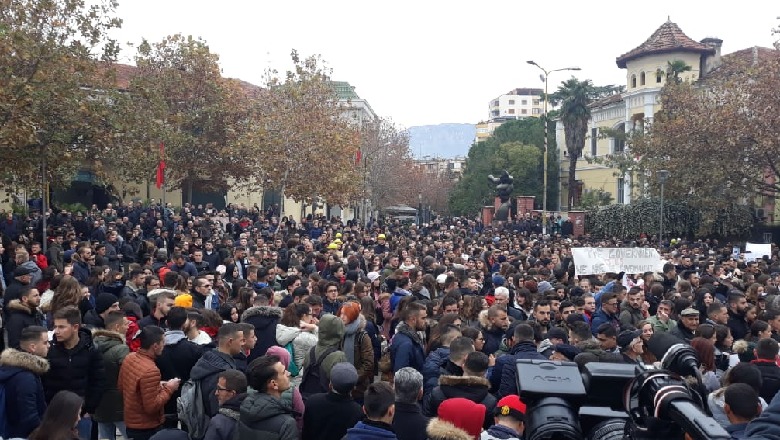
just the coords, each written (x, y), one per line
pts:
(680, 220)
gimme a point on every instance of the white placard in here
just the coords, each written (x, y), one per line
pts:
(755, 251)
(594, 261)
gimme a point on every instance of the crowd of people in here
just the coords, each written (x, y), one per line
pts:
(197, 323)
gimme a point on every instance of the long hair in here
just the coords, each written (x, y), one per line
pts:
(292, 314)
(705, 351)
(60, 418)
(67, 293)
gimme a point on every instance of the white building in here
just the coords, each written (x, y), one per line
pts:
(355, 109)
(518, 103)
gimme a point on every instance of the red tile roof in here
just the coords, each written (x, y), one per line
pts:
(667, 38)
(736, 62)
(609, 100)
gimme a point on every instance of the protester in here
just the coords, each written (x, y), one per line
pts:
(409, 423)
(329, 415)
(111, 343)
(379, 408)
(206, 370)
(61, 418)
(509, 417)
(262, 412)
(231, 392)
(143, 393)
(20, 377)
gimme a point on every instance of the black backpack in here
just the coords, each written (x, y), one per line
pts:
(314, 382)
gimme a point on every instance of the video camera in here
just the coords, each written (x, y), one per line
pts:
(610, 401)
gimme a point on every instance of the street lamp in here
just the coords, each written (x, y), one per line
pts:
(544, 192)
(663, 176)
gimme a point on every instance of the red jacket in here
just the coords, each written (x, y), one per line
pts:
(143, 395)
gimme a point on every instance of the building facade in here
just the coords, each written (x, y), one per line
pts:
(516, 104)
(646, 73)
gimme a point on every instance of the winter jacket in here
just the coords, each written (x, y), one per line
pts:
(432, 368)
(370, 430)
(629, 317)
(143, 396)
(20, 376)
(601, 317)
(409, 422)
(716, 402)
(767, 425)
(264, 318)
(302, 341)
(500, 432)
(660, 326)
(476, 389)
(331, 334)
(19, 316)
(406, 349)
(492, 335)
(682, 332)
(362, 355)
(170, 434)
(114, 350)
(397, 296)
(770, 375)
(264, 417)
(223, 425)
(439, 429)
(79, 370)
(207, 370)
(329, 415)
(93, 321)
(508, 371)
(177, 359)
(738, 325)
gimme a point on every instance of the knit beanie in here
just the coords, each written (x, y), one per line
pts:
(104, 301)
(183, 300)
(464, 414)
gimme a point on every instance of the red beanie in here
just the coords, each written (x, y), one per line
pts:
(464, 414)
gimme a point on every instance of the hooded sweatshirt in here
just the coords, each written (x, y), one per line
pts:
(207, 371)
(331, 334)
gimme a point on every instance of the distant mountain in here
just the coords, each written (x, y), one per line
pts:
(442, 140)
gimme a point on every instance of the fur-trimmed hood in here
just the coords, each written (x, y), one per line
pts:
(16, 306)
(27, 361)
(464, 381)
(103, 334)
(483, 320)
(439, 429)
(262, 311)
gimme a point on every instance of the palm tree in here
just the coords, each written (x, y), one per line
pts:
(575, 96)
(674, 69)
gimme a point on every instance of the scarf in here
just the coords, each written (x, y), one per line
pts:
(350, 334)
(404, 328)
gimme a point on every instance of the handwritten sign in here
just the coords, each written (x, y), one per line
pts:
(594, 261)
(756, 251)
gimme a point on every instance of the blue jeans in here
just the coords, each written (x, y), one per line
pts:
(107, 430)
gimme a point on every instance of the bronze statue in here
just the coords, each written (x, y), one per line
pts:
(504, 189)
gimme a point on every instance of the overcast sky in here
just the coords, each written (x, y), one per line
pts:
(428, 62)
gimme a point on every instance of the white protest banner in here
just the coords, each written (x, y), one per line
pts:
(594, 261)
(755, 251)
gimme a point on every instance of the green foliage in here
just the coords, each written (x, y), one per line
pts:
(518, 147)
(680, 220)
(595, 199)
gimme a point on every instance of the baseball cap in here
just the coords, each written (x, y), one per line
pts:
(343, 377)
(22, 270)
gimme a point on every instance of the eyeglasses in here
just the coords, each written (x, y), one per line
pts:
(219, 388)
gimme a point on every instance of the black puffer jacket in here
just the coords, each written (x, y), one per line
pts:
(19, 316)
(264, 318)
(79, 370)
(265, 417)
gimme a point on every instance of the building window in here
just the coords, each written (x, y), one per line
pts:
(642, 78)
(525, 102)
(633, 81)
(659, 76)
(524, 111)
(594, 141)
(511, 102)
(536, 111)
(620, 145)
(536, 102)
(511, 111)
(621, 190)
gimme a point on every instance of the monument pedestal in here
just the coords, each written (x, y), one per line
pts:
(525, 204)
(487, 215)
(578, 222)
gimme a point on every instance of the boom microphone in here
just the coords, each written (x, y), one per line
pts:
(675, 355)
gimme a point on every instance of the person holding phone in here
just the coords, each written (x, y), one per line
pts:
(143, 392)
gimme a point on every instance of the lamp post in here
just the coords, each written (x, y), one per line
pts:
(419, 209)
(544, 191)
(663, 176)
